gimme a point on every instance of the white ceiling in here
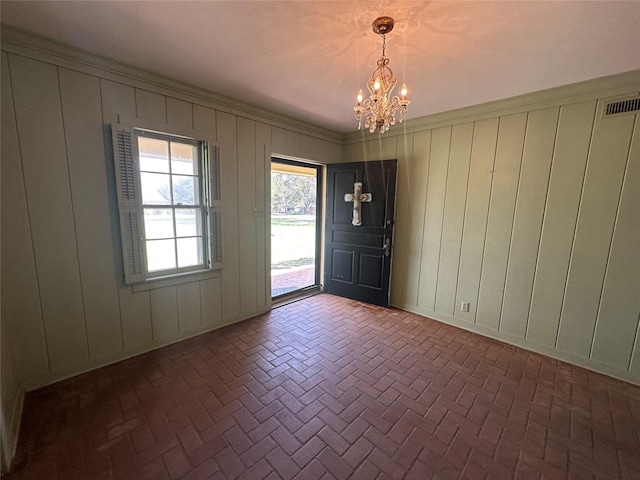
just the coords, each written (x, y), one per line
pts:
(307, 59)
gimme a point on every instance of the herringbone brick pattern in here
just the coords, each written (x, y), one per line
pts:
(330, 388)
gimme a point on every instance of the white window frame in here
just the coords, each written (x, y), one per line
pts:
(125, 135)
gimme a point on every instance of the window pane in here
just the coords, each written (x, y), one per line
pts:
(155, 189)
(190, 252)
(158, 223)
(188, 222)
(184, 158)
(154, 155)
(185, 190)
(161, 255)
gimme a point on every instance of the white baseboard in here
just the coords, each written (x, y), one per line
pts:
(588, 363)
(9, 429)
(135, 350)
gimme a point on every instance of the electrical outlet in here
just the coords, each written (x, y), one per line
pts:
(464, 306)
(257, 212)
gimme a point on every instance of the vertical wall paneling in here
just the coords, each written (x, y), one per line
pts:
(596, 216)
(452, 222)
(325, 152)
(574, 254)
(179, 113)
(135, 308)
(404, 147)
(434, 211)
(485, 134)
(373, 147)
(151, 106)
(189, 311)
(334, 151)
(13, 208)
(82, 114)
(117, 99)
(500, 221)
(204, 120)
(21, 308)
(532, 192)
(164, 312)
(317, 150)
(634, 367)
(39, 116)
(278, 140)
(263, 175)
(11, 398)
(306, 147)
(543, 223)
(246, 201)
(211, 302)
(70, 309)
(349, 152)
(385, 148)
(388, 148)
(293, 143)
(355, 154)
(230, 274)
(620, 305)
(362, 151)
(565, 186)
(417, 190)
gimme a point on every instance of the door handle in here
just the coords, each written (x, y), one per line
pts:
(386, 248)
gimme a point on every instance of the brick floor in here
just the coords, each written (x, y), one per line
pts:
(331, 388)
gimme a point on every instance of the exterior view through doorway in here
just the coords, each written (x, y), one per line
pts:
(295, 227)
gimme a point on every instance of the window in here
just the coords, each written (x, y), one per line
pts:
(169, 201)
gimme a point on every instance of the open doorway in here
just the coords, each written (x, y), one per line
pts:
(295, 227)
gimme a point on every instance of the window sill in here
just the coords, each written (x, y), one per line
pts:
(175, 280)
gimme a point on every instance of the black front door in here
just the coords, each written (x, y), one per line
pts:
(359, 230)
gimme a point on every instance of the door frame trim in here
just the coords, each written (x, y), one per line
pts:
(320, 204)
(337, 286)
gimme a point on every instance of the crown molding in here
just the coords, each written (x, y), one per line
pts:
(20, 42)
(614, 85)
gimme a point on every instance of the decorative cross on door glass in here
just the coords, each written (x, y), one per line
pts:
(357, 197)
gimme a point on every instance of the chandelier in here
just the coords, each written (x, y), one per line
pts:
(380, 109)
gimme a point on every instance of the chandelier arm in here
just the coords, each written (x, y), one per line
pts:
(379, 110)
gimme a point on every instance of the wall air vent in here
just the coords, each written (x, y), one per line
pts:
(622, 106)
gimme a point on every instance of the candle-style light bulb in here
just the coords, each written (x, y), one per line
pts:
(376, 84)
(403, 92)
(360, 97)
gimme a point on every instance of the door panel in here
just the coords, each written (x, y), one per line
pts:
(357, 265)
(371, 270)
